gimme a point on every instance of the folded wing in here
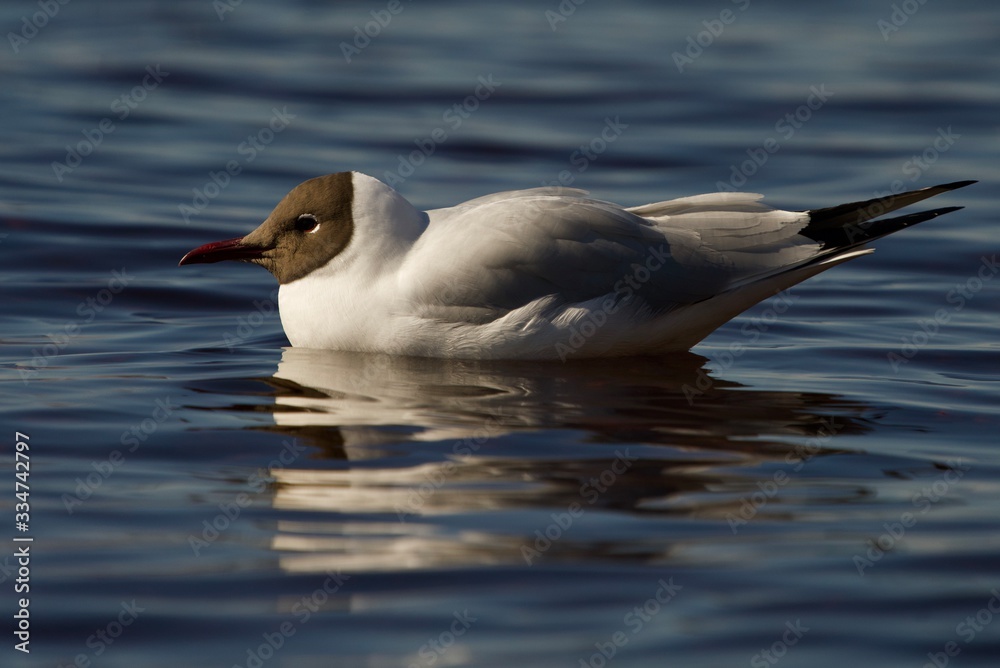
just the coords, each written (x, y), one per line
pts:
(484, 258)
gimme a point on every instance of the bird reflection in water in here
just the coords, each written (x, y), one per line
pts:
(420, 463)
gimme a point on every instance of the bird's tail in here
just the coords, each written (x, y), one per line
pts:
(842, 231)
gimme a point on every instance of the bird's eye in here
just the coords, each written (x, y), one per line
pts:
(307, 223)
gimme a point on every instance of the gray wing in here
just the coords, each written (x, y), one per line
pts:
(484, 258)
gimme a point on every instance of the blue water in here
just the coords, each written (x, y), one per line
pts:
(817, 484)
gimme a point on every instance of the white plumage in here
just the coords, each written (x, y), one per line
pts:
(546, 273)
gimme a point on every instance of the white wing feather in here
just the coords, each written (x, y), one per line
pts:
(501, 252)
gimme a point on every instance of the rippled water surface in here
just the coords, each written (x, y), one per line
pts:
(816, 484)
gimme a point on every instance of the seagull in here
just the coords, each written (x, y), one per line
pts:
(543, 273)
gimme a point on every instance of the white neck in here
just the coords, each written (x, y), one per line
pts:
(338, 298)
(385, 224)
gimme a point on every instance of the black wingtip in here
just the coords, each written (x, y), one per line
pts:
(880, 228)
(876, 229)
(956, 185)
(952, 186)
(851, 224)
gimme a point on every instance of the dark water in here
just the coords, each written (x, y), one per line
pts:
(816, 484)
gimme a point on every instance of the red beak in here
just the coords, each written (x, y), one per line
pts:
(217, 251)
